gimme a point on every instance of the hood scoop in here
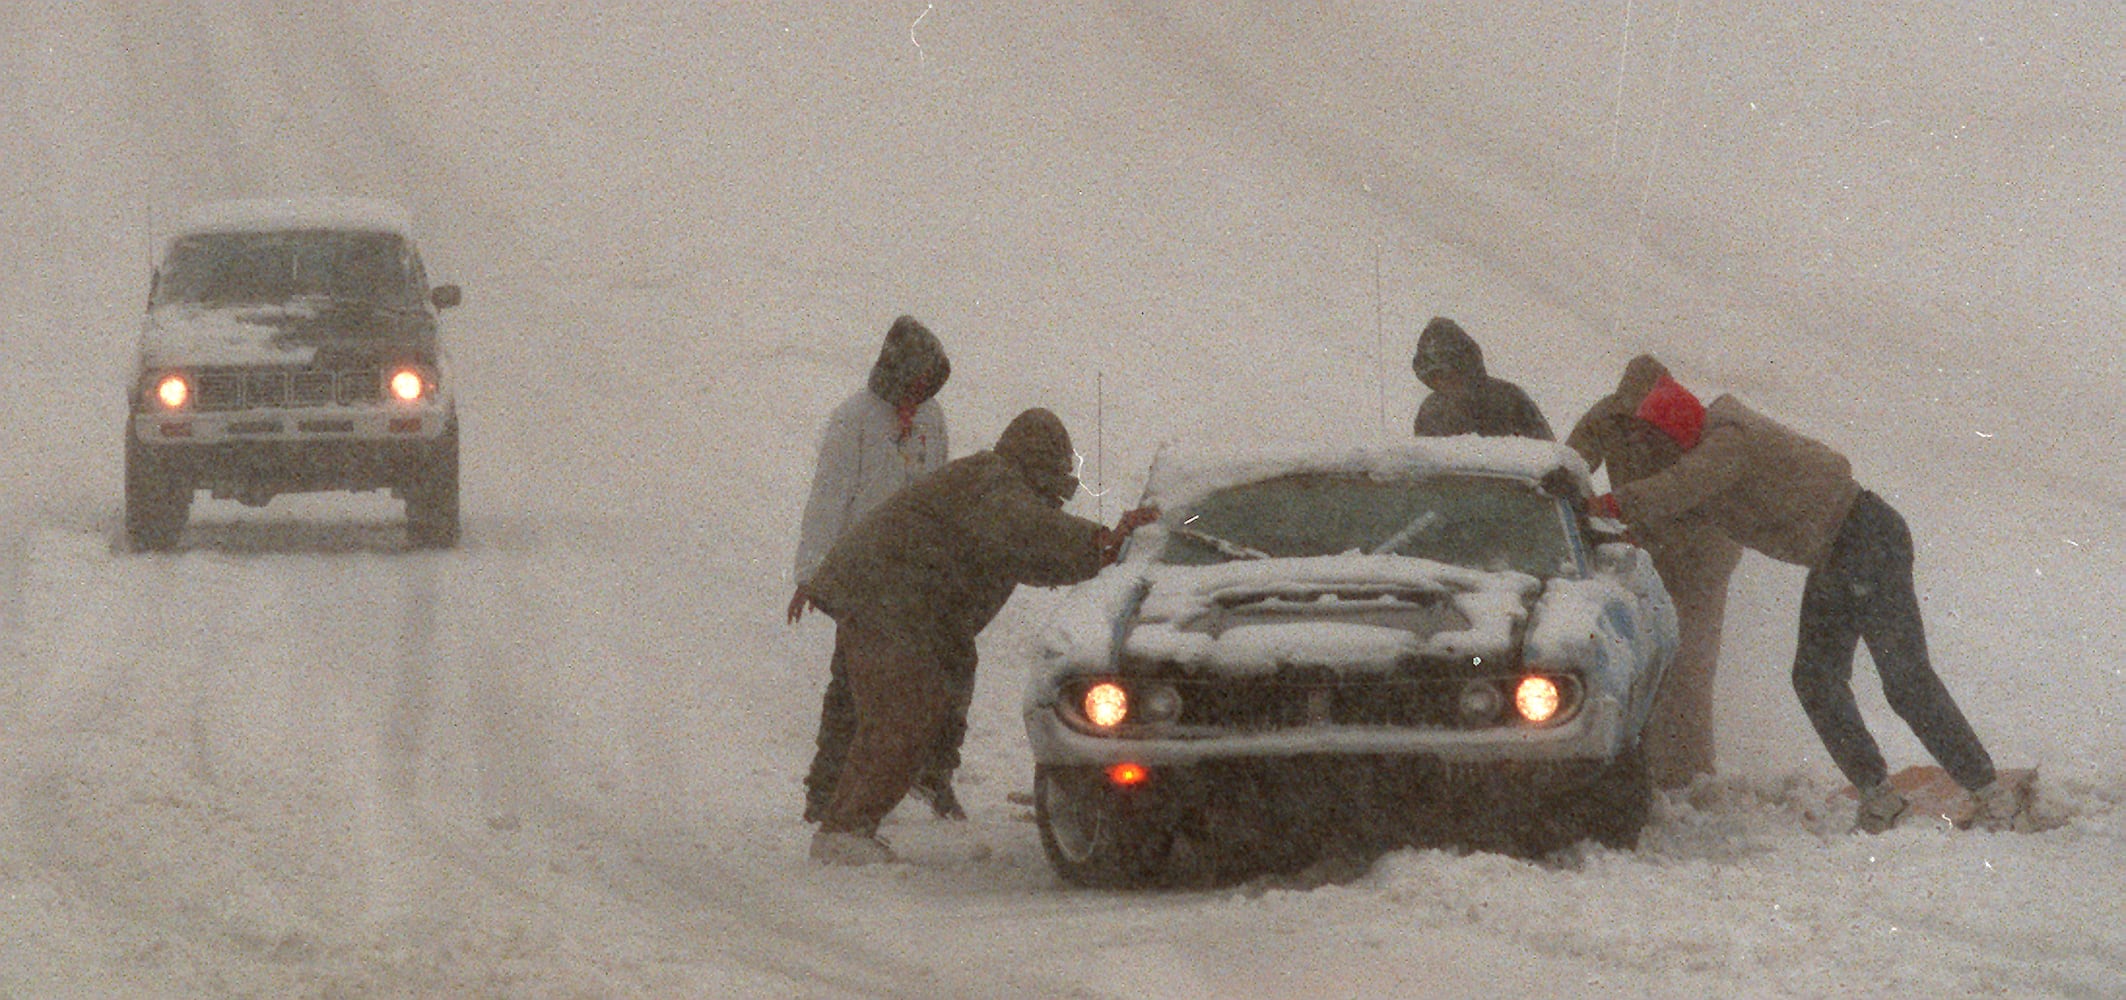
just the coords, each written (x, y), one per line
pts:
(1418, 611)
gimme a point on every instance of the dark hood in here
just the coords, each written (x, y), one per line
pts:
(1640, 374)
(1039, 447)
(1444, 345)
(911, 366)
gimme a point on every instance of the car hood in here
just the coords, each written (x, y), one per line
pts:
(293, 334)
(1353, 612)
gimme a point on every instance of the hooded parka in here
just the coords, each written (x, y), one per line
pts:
(921, 575)
(1695, 562)
(866, 453)
(886, 436)
(1476, 403)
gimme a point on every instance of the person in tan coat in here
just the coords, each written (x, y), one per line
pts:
(916, 579)
(1694, 560)
(1794, 499)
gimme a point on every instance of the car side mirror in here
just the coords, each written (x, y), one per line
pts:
(446, 296)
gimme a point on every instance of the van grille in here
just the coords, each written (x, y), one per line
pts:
(252, 389)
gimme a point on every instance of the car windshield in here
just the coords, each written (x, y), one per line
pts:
(1481, 522)
(272, 267)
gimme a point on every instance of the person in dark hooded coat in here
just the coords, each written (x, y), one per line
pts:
(885, 436)
(1695, 562)
(1465, 399)
(917, 579)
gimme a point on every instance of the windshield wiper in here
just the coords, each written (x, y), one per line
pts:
(1225, 548)
(1421, 523)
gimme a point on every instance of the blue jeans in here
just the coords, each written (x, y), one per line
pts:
(1863, 592)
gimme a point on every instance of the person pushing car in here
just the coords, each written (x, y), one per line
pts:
(916, 579)
(1794, 499)
(1695, 562)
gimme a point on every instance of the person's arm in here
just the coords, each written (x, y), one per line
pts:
(835, 481)
(1041, 546)
(1532, 423)
(1593, 436)
(1706, 471)
(1440, 416)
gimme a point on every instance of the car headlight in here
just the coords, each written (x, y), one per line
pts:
(1161, 704)
(1480, 703)
(172, 391)
(1537, 698)
(407, 385)
(1106, 704)
(1546, 699)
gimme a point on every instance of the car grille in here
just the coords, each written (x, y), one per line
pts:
(285, 388)
(1283, 704)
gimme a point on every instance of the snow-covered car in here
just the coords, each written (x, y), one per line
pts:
(1425, 643)
(290, 345)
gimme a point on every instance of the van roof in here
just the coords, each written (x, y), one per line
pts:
(320, 212)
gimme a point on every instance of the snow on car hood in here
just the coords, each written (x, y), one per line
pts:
(232, 335)
(1253, 616)
(290, 333)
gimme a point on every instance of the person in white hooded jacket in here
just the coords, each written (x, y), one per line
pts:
(886, 436)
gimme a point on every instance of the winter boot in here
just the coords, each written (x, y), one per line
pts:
(833, 847)
(2002, 806)
(1880, 808)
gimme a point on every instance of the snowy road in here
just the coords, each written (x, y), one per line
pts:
(296, 758)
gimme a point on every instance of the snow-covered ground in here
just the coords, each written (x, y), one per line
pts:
(296, 759)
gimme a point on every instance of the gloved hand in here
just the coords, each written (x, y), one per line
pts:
(1110, 539)
(1134, 519)
(798, 603)
(1605, 506)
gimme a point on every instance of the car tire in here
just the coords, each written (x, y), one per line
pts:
(156, 503)
(432, 500)
(1094, 836)
(1611, 810)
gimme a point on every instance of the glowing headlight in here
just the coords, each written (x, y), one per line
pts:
(173, 392)
(1106, 705)
(407, 385)
(1537, 699)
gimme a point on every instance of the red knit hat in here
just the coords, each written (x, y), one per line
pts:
(1674, 410)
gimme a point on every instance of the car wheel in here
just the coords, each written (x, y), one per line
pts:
(156, 503)
(1092, 835)
(1610, 810)
(432, 501)
(1615, 808)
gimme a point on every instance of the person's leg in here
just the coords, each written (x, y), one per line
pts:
(935, 781)
(1897, 641)
(1679, 731)
(1823, 671)
(837, 725)
(900, 697)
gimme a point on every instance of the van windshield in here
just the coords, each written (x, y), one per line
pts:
(265, 268)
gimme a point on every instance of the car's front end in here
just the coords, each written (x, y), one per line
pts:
(1383, 651)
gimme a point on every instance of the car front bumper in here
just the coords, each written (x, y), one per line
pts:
(1595, 733)
(294, 450)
